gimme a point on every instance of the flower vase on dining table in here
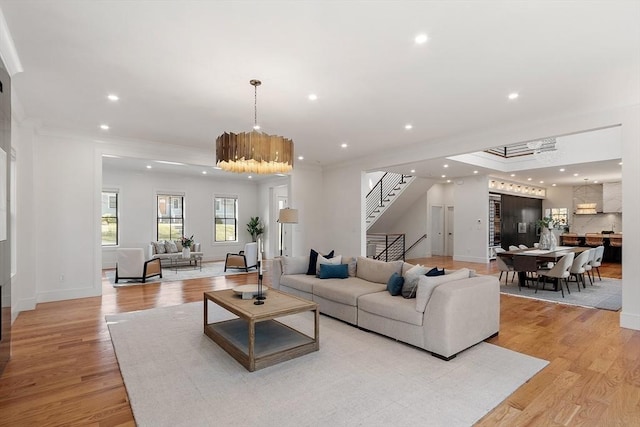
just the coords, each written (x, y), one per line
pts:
(545, 238)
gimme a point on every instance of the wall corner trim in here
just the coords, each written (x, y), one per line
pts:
(8, 52)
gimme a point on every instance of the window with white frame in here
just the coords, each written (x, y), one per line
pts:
(225, 218)
(109, 224)
(170, 224)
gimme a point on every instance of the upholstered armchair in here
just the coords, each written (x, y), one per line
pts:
(130, 264)
(246, 259)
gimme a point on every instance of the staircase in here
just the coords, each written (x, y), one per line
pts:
(382, 195)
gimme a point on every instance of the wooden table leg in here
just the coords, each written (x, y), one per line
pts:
(252, 342)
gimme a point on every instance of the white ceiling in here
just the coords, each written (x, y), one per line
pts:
(182, 68)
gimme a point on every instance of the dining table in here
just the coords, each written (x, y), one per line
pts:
(542, 256)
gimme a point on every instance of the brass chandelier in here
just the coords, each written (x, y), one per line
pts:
(254, 152)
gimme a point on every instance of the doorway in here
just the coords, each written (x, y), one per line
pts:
(437, 231)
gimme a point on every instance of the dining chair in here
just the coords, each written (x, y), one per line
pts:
(578, 268)
(570, 239)
(513, 248)
(560, 272)
(597, 261)
(589, 267)
(505, 265)
(615, 240)
(523, 246)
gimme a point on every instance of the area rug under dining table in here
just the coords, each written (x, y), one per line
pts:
(177, 376)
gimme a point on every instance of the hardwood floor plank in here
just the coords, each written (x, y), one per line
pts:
(64, 371)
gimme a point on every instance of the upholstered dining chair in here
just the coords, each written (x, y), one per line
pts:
(578, 268)
(130, 264)
(615, 240)
(245, 259)
(597, 261)
(513, 248)
(588, 267)
(523, 246)
(505, 265)
(527, 265)
(560, 272)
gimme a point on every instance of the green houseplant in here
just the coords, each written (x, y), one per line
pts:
(255, 227)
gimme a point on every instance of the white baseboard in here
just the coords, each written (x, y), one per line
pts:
(61, 295)
(630, 320)
(478, 260)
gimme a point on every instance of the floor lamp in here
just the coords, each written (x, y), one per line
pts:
(286, 216)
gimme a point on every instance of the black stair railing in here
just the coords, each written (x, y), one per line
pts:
(386, 247)
(382, 191)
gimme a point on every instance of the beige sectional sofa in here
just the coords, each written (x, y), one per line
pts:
(449, 314)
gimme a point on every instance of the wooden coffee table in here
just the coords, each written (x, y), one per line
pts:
(255, 338)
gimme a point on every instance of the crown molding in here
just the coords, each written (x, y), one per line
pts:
(8, 52)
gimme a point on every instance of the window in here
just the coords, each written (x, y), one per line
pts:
(109, 218)
(560, 217)
(226, 219)
(170, 217)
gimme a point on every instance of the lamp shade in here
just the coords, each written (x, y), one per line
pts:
(288, 216)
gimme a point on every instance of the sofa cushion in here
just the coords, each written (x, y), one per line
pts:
(336, 260)
(411, 280)
(394, 285)
(300, 282)
(294, 264)
(345, 291)
(351, 262)
(159, 247)
(313, 261)
(384, 305)
(426, 285)
(435, 272)
(376, 271)
(333, 271)
(170, 247)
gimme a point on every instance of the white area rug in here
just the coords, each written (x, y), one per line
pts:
(177, 376)
(209, 269)
(605, 294)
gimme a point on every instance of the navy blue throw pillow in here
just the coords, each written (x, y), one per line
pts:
(313, 260)
(435, 272)
(334, 271)
(394, 285)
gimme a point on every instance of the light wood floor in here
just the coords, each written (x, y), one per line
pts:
(64, 370)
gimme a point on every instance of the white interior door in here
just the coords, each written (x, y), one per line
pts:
(449, 231)
(437, 231)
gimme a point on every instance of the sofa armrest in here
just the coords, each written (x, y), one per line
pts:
(151, 251)
(461, 314)
(276, 272)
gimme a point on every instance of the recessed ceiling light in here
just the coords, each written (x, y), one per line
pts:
(300, 157)
(541, 182)
(421, 39)
(513, 95)
(204, 172)
(413, 171)
(445, 166)
(313, 97)
(620, 163)
(408, 126)
(448, 180)
(513, 174)
(595, 182)
(104, 127)
(553, 185)
(113, 97)
(344, 145)
(250, 177)
(444, 176)
(576, 174)
(148, 166)
(562, 169)
(529, 179)
(475, 171)
(256, 127)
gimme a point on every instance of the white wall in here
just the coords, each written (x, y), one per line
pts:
(413, 223)
(471, 213)
(438, 195)
(137, 193)
(305, 194)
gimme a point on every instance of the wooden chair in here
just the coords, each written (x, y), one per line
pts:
(130, 264)
(246, 259)
(593, 239)
(560, 272)
(615, 240)
(570, 239)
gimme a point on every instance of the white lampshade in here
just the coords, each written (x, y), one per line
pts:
(288, 216)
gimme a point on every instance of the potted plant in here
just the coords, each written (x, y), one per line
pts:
(255, 228)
